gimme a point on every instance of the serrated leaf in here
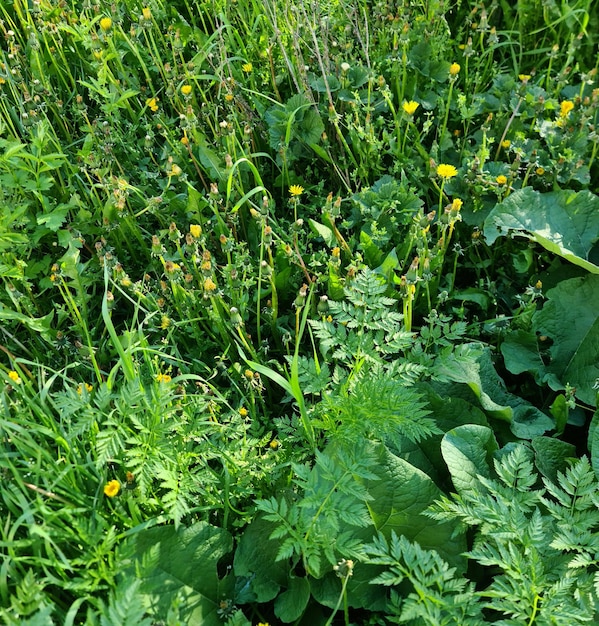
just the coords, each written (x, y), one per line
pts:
(564, 222)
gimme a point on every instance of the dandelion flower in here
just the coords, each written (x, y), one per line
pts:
(195, 230)
(146, 14)
(540, 171)
(111, 488)
(209, 285)
(501, 180)
(152, 104)
(457, 204)
(247, 67)
(446, 171)
(186, 90)
(565, 107)
(506, 143)
(524, 77)
(410, 107)
(14, 376)
(106, 24)
(454, 69)
(243, 412)
(296, 190)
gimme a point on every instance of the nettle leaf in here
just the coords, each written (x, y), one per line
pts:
(468, 451)
(570, 318)
(180, 567)
(563, 222)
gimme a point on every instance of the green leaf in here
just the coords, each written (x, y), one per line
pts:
(468, 451)
(571, 319)
(552, 455)
(55, 219)
(593, 442)
(180, 566)
(255, 558)
(323, 231)
(564, 222)
(401, 495)
(290, 605)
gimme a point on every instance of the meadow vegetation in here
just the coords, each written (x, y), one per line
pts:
(299, 312)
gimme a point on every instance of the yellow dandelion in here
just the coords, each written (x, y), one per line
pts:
(14, 376)
(146, 14)
(106, 24)
(540, 171)
(274, 444)
(229, 97)
(296, 190)
(506, 143)
(446, 171)
(457, 203)
(524, 77)
(175, 170)
(565, 107)
(209, 285)
(243, 412)
(111, 488)
(186, 90)
(247, 67)
(152, 104)
(501, 180)
(410, 107)
(163, 378)
(195, 230)
(185, 140)
(454, 69)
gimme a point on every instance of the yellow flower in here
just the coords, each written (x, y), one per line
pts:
(454, 69)
(506, 143)
(146, 14)
(88, 388)
(540, 171)
(175, 170)
(456, 205)
(185, 140)
(163, 378)
(565, 107)
(165, 322)
(274, 444)
(296, 190)
(14, 376)
(195, 230)
(229, 97)
(243, 412)
(209, 285)
(524, 77)
(186, 90)
(446, 171)
(410, 107)
(501, 179)
(152, 104)
(247, 67)
(538, 285)
(106, 23)
(111, 488)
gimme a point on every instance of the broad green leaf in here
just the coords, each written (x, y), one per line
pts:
(180, 566)
(468, 451)
(41, 325)
(521, 353)
(551, 456)
(323, 231)
(593, 442)
(255, 559)
(570, 318)
(290, 605)
(56, 218)
(401, 495)
(564, 222)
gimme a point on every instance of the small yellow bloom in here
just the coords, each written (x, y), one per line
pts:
(456, 205)
(229, 97)
(146, 14)
(296, 190)
(88, 388)
(106, 23)
(454, 69)
(152, 104)
(506, 143)
(446, 171)
(185, 140)
(274, 444)
(538, 285)
(195, 230)
(14, 376)
(410, 107)
(540, 171)
(111, 488)
(165, 322)
(163, 378)
(186, 90)
(209, 285)
(175, 170)
(524, 77)
(247, 67)
(501, 180)
(243, 412)
(565, 107)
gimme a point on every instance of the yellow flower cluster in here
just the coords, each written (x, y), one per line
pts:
(14, 376)
(163, 378)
